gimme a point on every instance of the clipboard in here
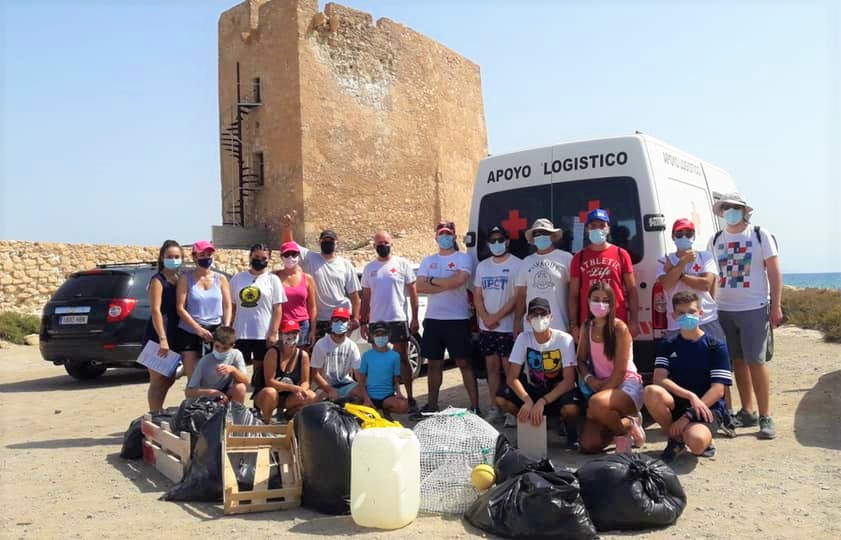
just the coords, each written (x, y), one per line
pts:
(165, 366)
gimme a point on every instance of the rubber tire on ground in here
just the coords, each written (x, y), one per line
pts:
(416, 361)
(84, 370)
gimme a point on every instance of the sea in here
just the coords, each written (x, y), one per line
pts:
(828, 280)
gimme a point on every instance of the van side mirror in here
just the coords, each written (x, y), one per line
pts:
(470, 239)
(654, 222)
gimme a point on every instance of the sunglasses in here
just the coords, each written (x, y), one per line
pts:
(497, 240)
(684, 234)
(731, 206)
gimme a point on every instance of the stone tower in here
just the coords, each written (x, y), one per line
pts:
(355, 125)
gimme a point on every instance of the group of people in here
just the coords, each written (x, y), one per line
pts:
(556, 330)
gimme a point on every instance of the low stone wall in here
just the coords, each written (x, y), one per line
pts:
(30, 272)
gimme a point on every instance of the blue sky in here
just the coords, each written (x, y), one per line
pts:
(109, 108)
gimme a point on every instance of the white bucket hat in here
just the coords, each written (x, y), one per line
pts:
(543, 224)
(733, 198)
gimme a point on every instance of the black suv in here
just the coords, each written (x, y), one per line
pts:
(97, 319)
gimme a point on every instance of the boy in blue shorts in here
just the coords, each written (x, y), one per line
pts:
(690, 374)
(379, 374)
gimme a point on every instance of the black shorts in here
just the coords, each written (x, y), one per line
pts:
(378, 403)
(682, 405)
(253, 350)
(452, 335)
(499, 343)
(398, 332)
(573, 397)
(322, 328)
(187, 341)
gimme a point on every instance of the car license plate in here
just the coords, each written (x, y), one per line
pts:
(73, 319)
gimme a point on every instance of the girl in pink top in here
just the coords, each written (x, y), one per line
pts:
(300, 293)
(606, 365)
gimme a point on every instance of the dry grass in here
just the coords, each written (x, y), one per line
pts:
(817, 309)
(14, 326)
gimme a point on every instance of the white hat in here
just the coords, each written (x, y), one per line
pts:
(734, 198)
(543, 224)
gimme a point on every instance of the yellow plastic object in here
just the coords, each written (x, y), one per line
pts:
(482, 477)
(370, 417)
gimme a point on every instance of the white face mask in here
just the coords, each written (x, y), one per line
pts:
(540, 324)
(290, 262)
(290, 339)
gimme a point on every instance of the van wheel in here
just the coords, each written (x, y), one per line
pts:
(84, 370)
(416, 361)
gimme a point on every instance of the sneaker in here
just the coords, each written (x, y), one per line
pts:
(744, 418)
(673, 450)
(724, 423)
(637, 432)
(413, 405)
(624, 444)
(709, 452)
(418, 414)
(475, 410)
(766, 428)
(510, 421)
(494, 415)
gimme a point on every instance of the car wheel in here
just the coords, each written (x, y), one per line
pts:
(416, 361)
(84, 370)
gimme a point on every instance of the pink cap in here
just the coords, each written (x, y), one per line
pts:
(203, 245)
(288, 247)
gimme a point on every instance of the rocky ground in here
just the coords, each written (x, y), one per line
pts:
(62, 476)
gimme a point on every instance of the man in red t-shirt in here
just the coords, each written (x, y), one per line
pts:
(602, 261)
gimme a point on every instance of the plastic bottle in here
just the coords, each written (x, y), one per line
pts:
(385, 478)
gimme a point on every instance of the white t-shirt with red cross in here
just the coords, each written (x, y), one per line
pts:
(452, 304)
(387, 281)
(703, 264)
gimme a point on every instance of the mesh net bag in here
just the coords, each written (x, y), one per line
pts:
(451, 444)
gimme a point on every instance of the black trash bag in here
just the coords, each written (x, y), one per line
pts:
(534, 504)
(630, 492)
(325, 432)
(203, 478)
(192, 414)
(510, 462)
(133, 437)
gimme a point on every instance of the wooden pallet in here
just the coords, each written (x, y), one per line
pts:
(248, 440)
(168, 452)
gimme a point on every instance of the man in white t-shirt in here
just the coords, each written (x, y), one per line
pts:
(494, 298)
(445, 277)
(749, 296)
(542, 373)
(544, 274)
(335, 359)
(257, 296)
(689, 270)
(386, 282)
(336, 284)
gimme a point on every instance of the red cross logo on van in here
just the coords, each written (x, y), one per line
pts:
(591, 205)
(514, 224)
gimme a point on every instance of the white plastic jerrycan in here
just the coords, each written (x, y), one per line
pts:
(385, 478)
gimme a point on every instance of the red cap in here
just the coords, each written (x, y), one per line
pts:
(445, 227)
(289, 247)
(289, 326)
(203, 245)
(340, 313)
(683, 224)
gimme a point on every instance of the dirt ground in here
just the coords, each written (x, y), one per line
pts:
(62, 476)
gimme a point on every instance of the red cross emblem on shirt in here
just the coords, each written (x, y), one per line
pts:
(514, 224)
(696, 267)
(451, 265)
(393, 270)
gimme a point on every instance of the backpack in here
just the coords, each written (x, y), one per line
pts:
(758, 238)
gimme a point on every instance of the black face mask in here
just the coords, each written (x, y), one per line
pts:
(259, 264)
(328, 247)
(383, 250)
(205, 263)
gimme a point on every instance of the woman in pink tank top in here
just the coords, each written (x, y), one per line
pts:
(300, 293)
(606, 366)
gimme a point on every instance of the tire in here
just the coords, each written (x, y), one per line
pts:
(416, 361)
(84, 370)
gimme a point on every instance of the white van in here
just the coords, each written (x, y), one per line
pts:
(643, 183)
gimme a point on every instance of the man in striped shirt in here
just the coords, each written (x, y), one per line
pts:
(690, 374)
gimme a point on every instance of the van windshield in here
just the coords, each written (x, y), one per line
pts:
(567, 203)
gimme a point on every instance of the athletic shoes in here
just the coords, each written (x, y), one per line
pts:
(637, 432)
(624, 444)
(413, 405)
(744, 418)
(494, 416)
(510, 421)
(418, 414)
(709, 452)
(475, 410)
(673, 450)
(725, 424)
(766, 428)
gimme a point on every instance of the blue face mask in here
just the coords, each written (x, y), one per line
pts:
(221, 356)
(734, 216)
(339, 327)
(497, 248)
(380, 341)
(445, 241)
(683, 243)
(688, 321)
(205, 263)
(172, 264)
(597, 236)
(542, 242)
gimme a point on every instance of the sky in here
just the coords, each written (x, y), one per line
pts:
(110, 115)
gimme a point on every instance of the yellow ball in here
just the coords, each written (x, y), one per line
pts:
(482, 477)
